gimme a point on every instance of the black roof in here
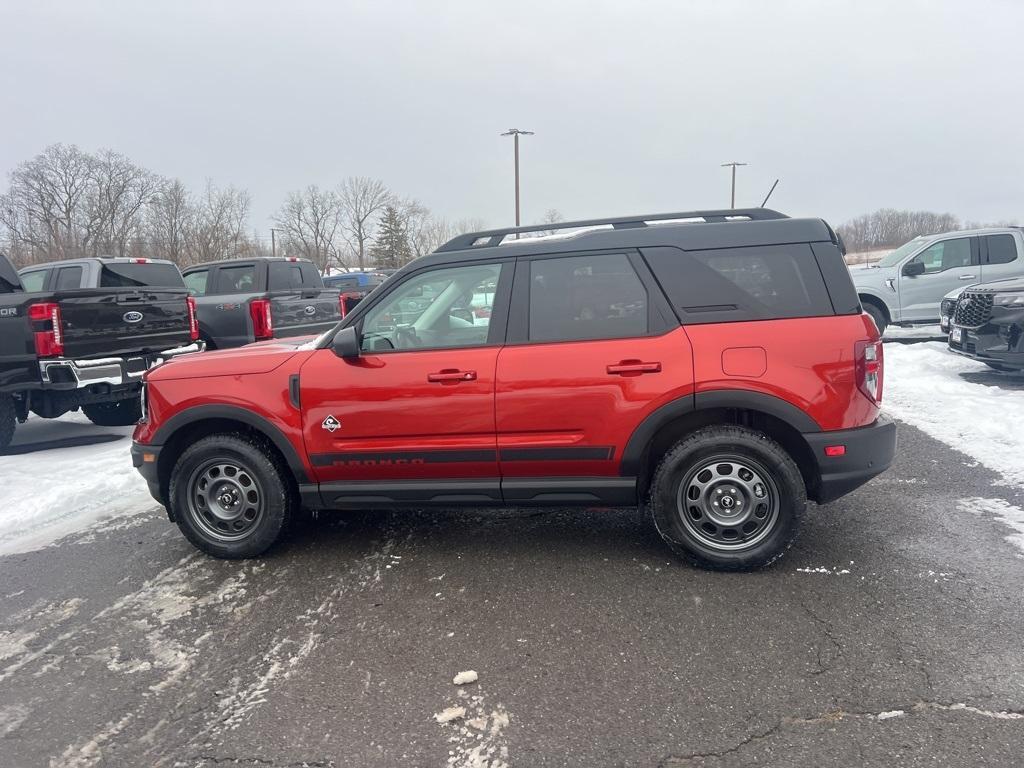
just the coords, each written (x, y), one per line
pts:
(690, 230)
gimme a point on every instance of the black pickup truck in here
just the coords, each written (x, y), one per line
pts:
(240, 301)
(84, 334)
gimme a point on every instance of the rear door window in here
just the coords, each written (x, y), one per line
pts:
(137, 274)
(34, 281)
(240, 279)
(596, 296)
(68, 277)
(732, 284)
(1002, 249)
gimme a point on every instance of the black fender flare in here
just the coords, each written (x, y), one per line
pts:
(633, 455)
(263, 426)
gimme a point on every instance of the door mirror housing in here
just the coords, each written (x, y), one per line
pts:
(913, 268)
(346, 343)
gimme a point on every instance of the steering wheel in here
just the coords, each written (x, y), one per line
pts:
(406, 338)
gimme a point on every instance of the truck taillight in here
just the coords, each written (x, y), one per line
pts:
(46, 327)
(262, 323)
(870, 369)
(193, 322)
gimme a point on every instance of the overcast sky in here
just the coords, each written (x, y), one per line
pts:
(854, 105)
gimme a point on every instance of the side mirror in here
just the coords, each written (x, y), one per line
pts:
(913, 268)
(346, 343)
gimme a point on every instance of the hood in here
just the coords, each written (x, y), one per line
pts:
(1006, 285)
(262, 357)
(873, 275)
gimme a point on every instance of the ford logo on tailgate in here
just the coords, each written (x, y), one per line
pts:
(132, 317)
(310, 310)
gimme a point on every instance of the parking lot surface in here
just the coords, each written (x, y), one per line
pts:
(889, 635)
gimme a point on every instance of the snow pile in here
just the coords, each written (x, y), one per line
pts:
(896, 333)
(923, 387)
(47, 494)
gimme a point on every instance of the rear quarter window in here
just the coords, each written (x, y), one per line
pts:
(735, 284)
(34, 281)
(132, 275)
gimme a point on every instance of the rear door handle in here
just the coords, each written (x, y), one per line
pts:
(967, 277)
(626, 367)
(450, 375)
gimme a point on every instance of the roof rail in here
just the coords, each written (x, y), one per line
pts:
(492, 237)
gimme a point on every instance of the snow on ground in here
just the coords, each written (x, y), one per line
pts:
(924, 387)
(48, 493)
(1009, 515)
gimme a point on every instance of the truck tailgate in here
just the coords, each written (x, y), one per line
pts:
(304, 313)
(104, 322)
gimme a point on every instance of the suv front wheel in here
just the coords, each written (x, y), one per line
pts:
(229, 496)
(727, 498)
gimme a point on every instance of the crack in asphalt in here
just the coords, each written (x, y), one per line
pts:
(229, 760)
(835, 716)
(826, 629)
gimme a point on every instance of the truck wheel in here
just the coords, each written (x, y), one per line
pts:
(727, 498)
(877, 315)
(123, 413)
(230, 496)
(7, 420)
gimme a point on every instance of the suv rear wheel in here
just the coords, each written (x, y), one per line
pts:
(229, 496)
(727, 498)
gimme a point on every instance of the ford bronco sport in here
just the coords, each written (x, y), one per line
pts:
(714, 368)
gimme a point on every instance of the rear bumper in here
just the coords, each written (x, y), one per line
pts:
(869, 451)
(65, 373)
(145, 458)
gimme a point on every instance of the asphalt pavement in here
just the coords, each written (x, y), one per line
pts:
(891, 635)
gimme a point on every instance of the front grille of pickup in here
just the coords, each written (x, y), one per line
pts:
(973, 310)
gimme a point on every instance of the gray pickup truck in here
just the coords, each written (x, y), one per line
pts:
(80, 334)
(908, 285)
(245, 300)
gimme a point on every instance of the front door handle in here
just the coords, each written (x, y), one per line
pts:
(967, 277)
(634, 367)
(451, 375)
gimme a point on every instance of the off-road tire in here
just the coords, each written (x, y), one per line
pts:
(123, 413)
(744, 449)
(8, 420)
(877, 315)
(258, 470)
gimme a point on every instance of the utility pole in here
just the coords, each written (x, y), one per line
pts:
(732, 199)
(273, 240)
(515, 133)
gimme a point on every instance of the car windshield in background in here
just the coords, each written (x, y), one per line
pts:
(895, 257)
(134, 275)
(293, 275)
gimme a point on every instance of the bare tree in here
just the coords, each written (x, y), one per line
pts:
(310, 220)
(217, 228)
(551, 216)
(44, 210)
(115, 202)
(362, 199)
(888, 228)
(169, 222)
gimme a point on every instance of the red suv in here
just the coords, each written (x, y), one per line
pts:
(712, 367)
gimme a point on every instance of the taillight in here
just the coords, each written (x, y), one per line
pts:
(193, 322)
(46, 327)
(262, 324)
(341, 305)
(870, 369)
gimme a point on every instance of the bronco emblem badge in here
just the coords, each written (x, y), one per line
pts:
(331, 424)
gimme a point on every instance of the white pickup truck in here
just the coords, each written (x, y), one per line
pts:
(908, 285)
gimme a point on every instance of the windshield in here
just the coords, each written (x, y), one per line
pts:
(895, 257)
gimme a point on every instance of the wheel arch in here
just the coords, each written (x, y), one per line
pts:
(782, 421)
(870, 298)
(198, 422)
